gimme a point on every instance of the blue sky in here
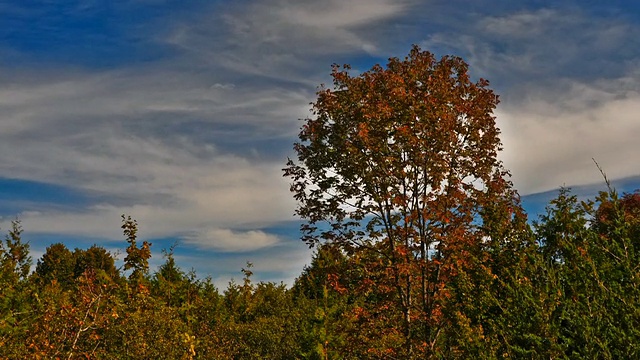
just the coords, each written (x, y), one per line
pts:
(182, 113)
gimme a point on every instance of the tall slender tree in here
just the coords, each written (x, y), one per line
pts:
(15, 261)
(137, 258)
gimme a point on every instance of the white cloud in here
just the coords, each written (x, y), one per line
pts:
(147, 140)
(569, 86)
(173, 200)
(231, 241)
(285, 39)
(179, 142)
(287, 258)
(526, 24)
(540, 43)
(551, 137)
(338, 13)
(108, 134)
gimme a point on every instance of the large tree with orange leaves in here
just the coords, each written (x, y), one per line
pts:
(398, 166)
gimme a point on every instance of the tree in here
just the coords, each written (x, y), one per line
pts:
(169, 280)
(400, 162)
(15, 261)
(614, 254)
(260, 321)
(323, 287)
(15, 291)
(98, 259)
(57, 263)
(137, 258)
(60, 264)
(626, 209)
(591, 274)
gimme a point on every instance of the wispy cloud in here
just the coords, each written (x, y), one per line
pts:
(152, 139)
(186, 122)
(284, 39)
(231, 241)
(569, 88)
(551, 138)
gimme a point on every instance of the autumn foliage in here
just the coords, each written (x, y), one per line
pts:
(421, 251)
(400, 164)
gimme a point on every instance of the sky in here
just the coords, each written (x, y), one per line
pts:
(182, 113)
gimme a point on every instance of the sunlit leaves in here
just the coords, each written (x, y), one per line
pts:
(396, 167)
(137, 258)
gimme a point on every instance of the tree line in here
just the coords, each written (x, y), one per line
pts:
(421, 250)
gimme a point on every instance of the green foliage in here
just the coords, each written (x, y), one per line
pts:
(137, 259)
(15, 291)
(170, 283)
(63, 266)
(97, 259)
(321, 288)
(15, 261)
(57, 263)
(590, 262)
